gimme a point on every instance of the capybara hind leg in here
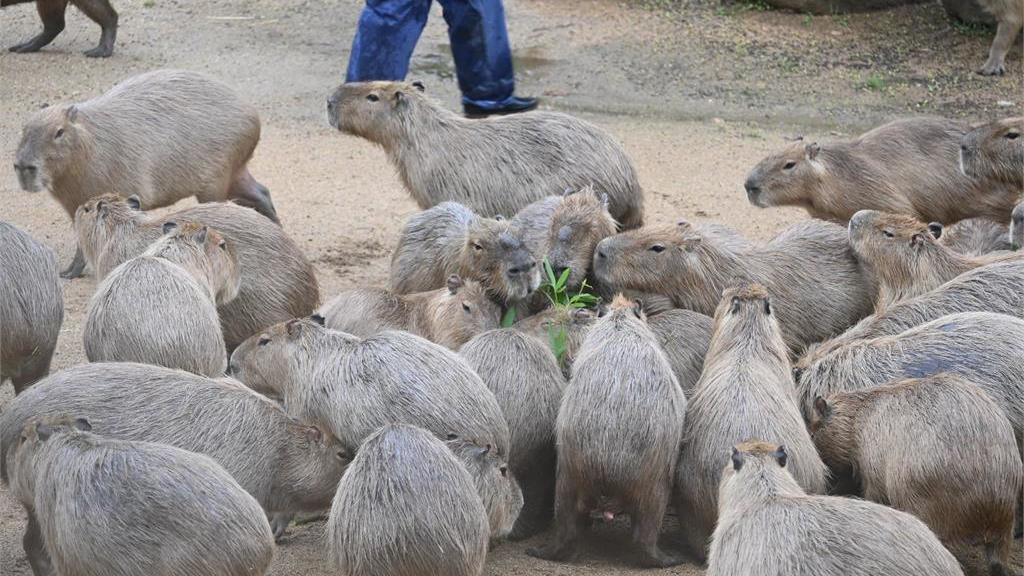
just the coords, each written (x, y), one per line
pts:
(102, 13)
(569, 520)
(246, 191)
(76, 268)
(35, 550)
(51, 12)
(693, 537)
(279, 524)
(647, 519)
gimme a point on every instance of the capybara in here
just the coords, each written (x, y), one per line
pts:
(938, 448)
(448, 316)
(906, 167)
(528, 384)
(163, 135)
(994, 287)
(684, 336)
(618, 433)
(993, 153)
(104, 506)
(818, 288)
(287, 466)
(905, 258)
(745, 391)
(277, 283)
(984, 348)
(1017, 228)
(496, 166)
(1010, 17)
(407, 507)
(548, 326)
(769, 526)
(31, 307)
(974, 236)
(161, 307)
(51, 12)
(352, 386)
(495, 483)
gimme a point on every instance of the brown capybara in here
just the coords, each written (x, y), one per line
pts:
(745, 391)
(287, 466)
(277, 280)
(938, 448)
(1010, 17)
(163, 135)
(548, 326)
(496, 166)
(407, 507)
(51, 12)
(993, 153)
(1017, 228)
(994, 287)
(769, 526)
(448, 316)
(494, 480)
(974, 236)
(31, 307)
(106, 506)
(161, 307)
(818, 288)
(904, 257)
(907, 166)
(618, 432)
(449, 239)
(352, 386)
(528, 384)
(684, 336)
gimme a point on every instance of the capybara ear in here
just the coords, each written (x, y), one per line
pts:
(812, 150)
(452, 436)
(71, 114)
(170, 227)
(83, 425)
(482, 452)
(797, 374)
(314, 434)
(781, 456)
(43, 431)
(936, 229)
(318, 318)
(737, 459)
(821, 406)
(735, 305)
(917, 240)
(101, 207)
(499, 217)
(200, 235)
(454, 283)
(294, 328)
(419, 86)
(638, 308)
(399, 98)
(134, 202)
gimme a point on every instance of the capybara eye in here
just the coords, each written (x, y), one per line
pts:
(223, 245)
(477, 246)
(60, 132)
(264, 341)
(658, 248)
(466, 307)
(789, 165)
(888, 234)
(1012, 135)
(372, 97)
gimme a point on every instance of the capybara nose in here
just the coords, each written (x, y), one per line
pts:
(752, 188)
(523, 268)
(29, 168)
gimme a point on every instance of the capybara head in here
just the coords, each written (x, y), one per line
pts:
(49, 143)
(464, 310)
(36, 432)
(315, 460)
(577, 225)
(495, 255)
(753, 461)
(745, 318)
(499, 491)
(266, 360)
(97, 219)
(203, 251)
(786, 178)
(897, 248)
(831, 426)
(373, 110)
(1017, 227)
(994, 151)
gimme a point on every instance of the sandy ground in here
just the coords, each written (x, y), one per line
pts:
(697, 93)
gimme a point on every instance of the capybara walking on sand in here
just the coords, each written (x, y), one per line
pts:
(51, 12)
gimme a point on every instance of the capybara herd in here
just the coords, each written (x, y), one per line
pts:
(844, 399)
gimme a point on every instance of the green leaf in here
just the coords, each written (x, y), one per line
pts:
(560, 285)
(509, 318)
(550, 273)
(559, 338)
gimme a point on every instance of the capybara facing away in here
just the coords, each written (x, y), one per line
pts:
(618, 432)
(161, 307)
(407, 507)
(496, 166)
(31, 307)
(684, 336)
(548, 325)
(448, 316)
(1010, 17)
(974, 236)
(51, 12)
(163, 135)
(818, 288)
(745, 391)
(108, 506)
(768, 526)
(277, 281)
(938, 448)
(907, 166)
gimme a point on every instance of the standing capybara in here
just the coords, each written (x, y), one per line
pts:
(123, 507)
(51, 12)
(938, 448)
(163, 135)
(287, 466)
(984, 348)
(768, 526)
(277, 281)
(448, 316)
(560, 324)
(496, 166)
(31, 307)
(353, 386)
(684, 336)
(818, 288)
(619, 431)
(1017, 228)
(1010, 17)
(974, 236)
(528, 384)
(993, 153)
(907, 167)
(904, 257)
(407, 507)
(161, 308)
(746, 391)
(994, 287)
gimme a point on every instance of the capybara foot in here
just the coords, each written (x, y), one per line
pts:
(279, 525)
(657, 559)
(992, 68)
(553, 553)
(33, 45)
(77, 267)
(523, 530)
(101, 51)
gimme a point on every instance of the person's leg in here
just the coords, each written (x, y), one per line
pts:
(385, 38)
(483, 59)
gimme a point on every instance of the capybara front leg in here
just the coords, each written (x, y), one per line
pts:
(102, 13)
(1006, 33)
(35, 550)
(77, 267)
(246, 191)
(51, 12)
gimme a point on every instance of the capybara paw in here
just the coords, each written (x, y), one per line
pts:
(551, 553)
(24, 47)
(100, 52)
(992, 69)
(71, 273)
(658, 559)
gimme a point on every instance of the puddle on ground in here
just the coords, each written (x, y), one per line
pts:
(439, 63)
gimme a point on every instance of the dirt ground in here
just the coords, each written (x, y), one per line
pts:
(697, 93)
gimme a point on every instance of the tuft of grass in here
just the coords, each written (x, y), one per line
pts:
(971, 29)
(808, 20)
(559, 296)
(875, 83)
(842, 20)
(148, 3)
